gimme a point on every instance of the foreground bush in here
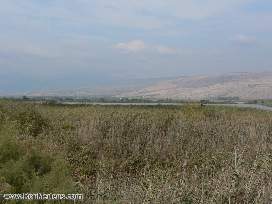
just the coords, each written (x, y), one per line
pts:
(30, 122)
(24, 167)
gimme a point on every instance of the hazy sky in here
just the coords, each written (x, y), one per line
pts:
(47, 44)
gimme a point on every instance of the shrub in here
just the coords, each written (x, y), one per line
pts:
(2, 116)
(9, 150)
(30, 122)
(24, 167)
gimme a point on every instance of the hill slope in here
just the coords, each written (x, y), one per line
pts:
(242, 85)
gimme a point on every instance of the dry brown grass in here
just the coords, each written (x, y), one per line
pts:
(164, 154)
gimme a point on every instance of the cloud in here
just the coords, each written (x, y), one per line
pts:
(27, 49)
(181, 9)
(140, 46)
(166, 50)
(146, 14)
(132, 46)
(245, 39)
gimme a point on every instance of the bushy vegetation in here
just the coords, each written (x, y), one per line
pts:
(265, 102)
(26, 165)
(157, 154)
(31, 123)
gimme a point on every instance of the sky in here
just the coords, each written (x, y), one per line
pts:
(63, 44)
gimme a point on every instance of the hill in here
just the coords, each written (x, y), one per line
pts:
(242, 85)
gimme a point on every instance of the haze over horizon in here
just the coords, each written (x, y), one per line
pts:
(62, 44)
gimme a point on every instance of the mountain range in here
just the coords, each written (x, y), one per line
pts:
(241, 85)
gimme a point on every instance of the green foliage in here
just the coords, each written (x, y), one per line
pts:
(31, 122)
(9, 150)
(2, 116)
(24, 168)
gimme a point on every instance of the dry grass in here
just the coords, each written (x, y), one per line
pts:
(163, 154)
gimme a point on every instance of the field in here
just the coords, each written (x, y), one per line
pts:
(265, 102)
(154, 154)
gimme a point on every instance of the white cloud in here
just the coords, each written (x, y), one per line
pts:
(140, 46)
(166, 50)
(132, 46)
(245, 40)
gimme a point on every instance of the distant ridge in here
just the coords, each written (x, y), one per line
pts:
(241, 84)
